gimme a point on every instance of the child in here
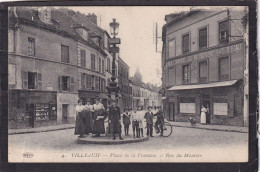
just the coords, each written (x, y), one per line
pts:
(126, 121)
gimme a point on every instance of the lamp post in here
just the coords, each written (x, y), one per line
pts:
(113, 88)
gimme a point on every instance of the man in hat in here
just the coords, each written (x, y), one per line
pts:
(99, 117)
(160, 121)
(149, 121)
(126, 121)
(114, 119)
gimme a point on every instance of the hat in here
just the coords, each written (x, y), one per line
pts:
(88, 100)
(97, 98)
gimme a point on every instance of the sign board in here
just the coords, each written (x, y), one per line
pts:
(113, 49)
(114, 41)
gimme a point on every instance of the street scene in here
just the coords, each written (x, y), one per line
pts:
(133, 84)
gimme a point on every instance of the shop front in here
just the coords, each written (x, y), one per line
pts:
(32, 108)
(223, 101)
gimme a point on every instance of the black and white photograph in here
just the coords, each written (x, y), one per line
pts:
(128, 84)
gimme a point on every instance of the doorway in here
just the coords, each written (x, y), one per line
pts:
(171, 111)
(206, 103)
(65, 113)
(31, 112)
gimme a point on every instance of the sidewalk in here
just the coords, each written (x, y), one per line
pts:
(41, 129)
(211, 127)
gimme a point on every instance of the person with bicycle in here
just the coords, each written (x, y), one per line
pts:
(160, 121)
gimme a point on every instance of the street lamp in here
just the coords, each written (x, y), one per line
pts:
(113, 88)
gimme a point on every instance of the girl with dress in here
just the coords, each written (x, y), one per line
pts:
(99, 117)
(88, 117)
(80, 120)
(203, 115)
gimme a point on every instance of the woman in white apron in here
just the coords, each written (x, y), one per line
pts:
(203, 115)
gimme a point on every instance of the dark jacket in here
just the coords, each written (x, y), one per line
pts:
(160, 118)
(114, 116)
(126, 118)
(149, 117)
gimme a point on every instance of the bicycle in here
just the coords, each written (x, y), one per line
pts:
(167, 129)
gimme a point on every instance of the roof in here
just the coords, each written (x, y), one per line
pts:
(199, 86)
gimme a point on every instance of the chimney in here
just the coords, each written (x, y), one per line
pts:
(93, 18)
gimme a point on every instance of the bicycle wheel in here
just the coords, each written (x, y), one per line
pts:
(167, 129)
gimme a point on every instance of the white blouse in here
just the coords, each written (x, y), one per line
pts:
(88, 107)
(98, 106)
(79, 108)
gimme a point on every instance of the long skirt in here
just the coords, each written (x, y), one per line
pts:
(99, 127)
(80, 124)
(203, 118)
(89, 122)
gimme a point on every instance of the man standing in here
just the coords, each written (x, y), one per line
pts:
(149, 121)
(126, 121)
(159, 122)
(114, 119)
(135, 123)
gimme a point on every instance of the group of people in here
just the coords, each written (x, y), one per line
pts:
(91, 119)
(137, 119)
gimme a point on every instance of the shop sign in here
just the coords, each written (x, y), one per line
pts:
(114, 41)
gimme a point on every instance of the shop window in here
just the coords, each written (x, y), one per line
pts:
(83, 58)
(31, 46)
(187, 105)
(223, 68)
(42, 112)
(186, 74)
(223, 32)
(65, 54)
(220, 109)
(203, 38)
(171, 48)
(203, 72)
(185, 43)
(171, 76)
(93, 62)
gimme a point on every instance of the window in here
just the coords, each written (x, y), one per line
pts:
(220, 109)
(65, 83)
(31, 80)
(108, 65)
(89, 81)
(97, 83)
(187, 105)
(203, 38)
(203, 72)
(93, 62)
(186, 74)
(223, 68)
(83, 58)
(31, 46)
(83, 81)
(85, 34)
(171, 48)
(223, 32)
(93, 82)
(186, 43)
(171, 76)
(103, 66)
(99, 64)
(65, 54)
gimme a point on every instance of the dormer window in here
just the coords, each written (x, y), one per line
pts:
(45, 15)
(82, 32)
(85, 34)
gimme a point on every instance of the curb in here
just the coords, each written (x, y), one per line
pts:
(25, 132)
(111, 142)
(214, 129)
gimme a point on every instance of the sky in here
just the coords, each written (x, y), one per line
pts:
(137, 34)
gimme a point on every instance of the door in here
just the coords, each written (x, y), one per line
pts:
(64, 113)
(31, 112)
(171, 111)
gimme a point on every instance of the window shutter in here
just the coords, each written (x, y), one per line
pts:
(231, 105)
(72, 84)
(39, 79)
(60, 83)
(25, 80)
(83, 81)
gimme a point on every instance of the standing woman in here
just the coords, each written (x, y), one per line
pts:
(203, 115)
(99, 117)
(141, 122)
(80, 123)
(88, 117)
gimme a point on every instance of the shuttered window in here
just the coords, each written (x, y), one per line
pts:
(25, 80)
(39, 79)
(223, 32)
(223, 68)
(65, 54)
(171, 76)
(203, 72)
(83, 58)
(31, 46)
(186, 43)
(203, 38)
(103, 66)
(89, 81)
(83, 81)
(72, 84)
(97, 82)
(171, 48)
(99, 64)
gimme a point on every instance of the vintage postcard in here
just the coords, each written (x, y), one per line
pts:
(128, 84)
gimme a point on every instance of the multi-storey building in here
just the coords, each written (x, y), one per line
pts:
(55, 57)
(203, 63)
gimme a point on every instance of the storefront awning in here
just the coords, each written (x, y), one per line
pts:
(197, 86)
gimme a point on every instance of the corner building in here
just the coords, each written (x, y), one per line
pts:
(203, 63)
